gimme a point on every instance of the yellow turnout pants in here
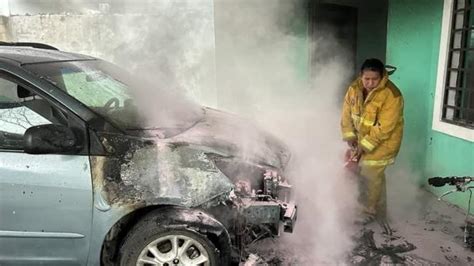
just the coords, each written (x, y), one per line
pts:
(373, 190)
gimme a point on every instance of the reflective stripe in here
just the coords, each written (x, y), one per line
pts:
(371, 123)
(367, 122)
(357, 119)
(348, 135)
(378, 162)
(367, 144)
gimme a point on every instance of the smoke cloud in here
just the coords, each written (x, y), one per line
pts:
(262, 79)
(251, 58)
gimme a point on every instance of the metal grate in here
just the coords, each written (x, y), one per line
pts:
(458, 101)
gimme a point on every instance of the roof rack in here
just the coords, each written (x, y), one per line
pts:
(30, 44)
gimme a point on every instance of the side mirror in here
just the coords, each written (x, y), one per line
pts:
(50, 138)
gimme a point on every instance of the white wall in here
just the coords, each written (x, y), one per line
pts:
(4, 8)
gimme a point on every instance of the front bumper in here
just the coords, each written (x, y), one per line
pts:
(276, 214)
(271, 207)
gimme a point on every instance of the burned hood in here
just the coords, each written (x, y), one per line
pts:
(191, 168)
(231, 135)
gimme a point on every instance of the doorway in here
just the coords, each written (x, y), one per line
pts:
(333, 35)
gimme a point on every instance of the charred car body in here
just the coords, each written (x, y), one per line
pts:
(84, 181)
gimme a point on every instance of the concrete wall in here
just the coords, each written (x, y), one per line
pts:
(4, 31)
(38, 7)
(414, 29)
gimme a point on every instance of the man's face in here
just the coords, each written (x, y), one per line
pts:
(370, 79)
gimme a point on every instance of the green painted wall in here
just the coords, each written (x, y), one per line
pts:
(414, 29)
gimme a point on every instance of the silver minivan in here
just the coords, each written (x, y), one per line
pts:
(87, 179)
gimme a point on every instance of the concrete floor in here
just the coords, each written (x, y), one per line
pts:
(432, 228)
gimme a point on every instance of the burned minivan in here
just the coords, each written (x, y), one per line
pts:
(91, 176)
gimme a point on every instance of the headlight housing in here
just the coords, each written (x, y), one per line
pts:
(253, 180)
(261, 195)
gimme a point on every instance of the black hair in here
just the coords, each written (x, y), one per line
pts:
(373, 64)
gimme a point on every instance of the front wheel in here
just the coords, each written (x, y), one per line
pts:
(150, 245)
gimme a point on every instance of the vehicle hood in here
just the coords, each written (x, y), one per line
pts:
(190, 168)
(231, 135)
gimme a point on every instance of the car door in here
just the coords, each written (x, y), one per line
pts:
(45, 199)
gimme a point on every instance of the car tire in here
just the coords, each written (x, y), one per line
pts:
(149, 244)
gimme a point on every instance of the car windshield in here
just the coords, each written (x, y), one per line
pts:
(112, 93)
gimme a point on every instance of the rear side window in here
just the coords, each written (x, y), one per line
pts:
(7, 90)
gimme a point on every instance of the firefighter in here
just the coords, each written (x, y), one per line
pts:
(372, 125)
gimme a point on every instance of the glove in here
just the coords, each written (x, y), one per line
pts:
(352, 157)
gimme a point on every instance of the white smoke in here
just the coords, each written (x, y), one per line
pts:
(326, 193)
(243, 56)
(258, 73)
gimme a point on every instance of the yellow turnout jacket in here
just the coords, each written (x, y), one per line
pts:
(377, 122)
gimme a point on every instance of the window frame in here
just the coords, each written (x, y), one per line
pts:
(439, 124)
(73, 120)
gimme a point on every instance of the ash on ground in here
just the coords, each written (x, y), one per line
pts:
(433, 235)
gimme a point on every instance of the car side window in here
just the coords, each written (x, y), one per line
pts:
(21, 109)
